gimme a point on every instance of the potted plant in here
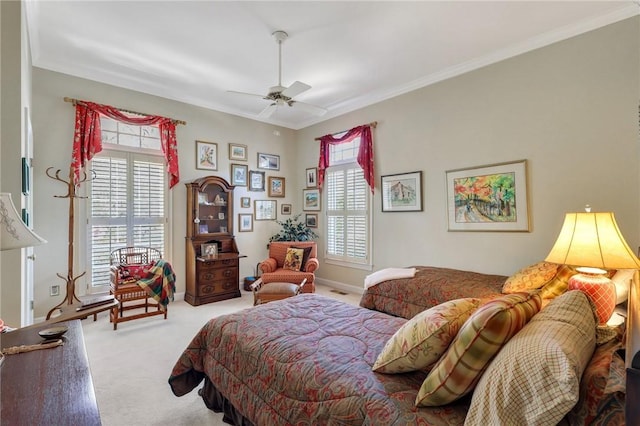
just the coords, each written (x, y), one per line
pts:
(293, 230)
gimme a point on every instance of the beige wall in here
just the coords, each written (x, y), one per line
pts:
(570, 109)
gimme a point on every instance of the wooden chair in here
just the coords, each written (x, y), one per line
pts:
(128, 265)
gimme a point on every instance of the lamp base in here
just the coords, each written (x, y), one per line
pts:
(599, 288)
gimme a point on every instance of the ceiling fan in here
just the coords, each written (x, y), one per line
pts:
(280, 95)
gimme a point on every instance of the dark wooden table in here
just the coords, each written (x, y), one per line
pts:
(47, 386)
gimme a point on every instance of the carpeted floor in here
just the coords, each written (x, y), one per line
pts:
(130, 367)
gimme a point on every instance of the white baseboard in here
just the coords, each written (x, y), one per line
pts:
(340, 286)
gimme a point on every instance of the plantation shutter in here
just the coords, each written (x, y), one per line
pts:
(347, 214)
(127, 207)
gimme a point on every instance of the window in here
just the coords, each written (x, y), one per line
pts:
(348, 208)
(128, 196)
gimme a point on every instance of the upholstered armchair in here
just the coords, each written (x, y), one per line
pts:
(293, 268)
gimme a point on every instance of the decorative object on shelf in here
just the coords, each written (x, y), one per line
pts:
(276, 186)
(312, 177)
(293, 230)
(239, 174)
(256, 181)
(311, 199)
(245, 202)
(209, 250)
(265, 209)
(489, 198)
(402, 192)
(14, 233)
(594, 243)
(268, 161)
(285, 209)
(206, 155)
(237, 152)
(311, 219)
(245, 222)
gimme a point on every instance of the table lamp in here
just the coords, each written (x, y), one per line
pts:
(14, 233)
(593, 243)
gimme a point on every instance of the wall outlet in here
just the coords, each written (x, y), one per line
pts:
(54, 290)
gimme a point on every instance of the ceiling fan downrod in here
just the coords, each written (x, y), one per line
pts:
(280, 36)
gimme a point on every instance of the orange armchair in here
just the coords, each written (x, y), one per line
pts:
(273, 269)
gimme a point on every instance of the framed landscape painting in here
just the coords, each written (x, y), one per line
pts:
(237, 152)
(488, 198)
(311, 199)
(402, 192)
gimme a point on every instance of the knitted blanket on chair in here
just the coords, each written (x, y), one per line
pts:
(160, 283)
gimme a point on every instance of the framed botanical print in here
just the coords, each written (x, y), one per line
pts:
(276, 186)
(265, 209)
(256, 181)
(245, 222)
(268, 161)
(239, 174)
(245, 202)
(206, 155)
(237, 152)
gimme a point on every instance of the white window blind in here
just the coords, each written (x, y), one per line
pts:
(347, 209)
(127, 202)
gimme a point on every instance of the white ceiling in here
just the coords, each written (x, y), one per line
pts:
(352, 53)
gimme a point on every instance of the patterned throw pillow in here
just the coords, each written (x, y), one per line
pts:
(559, 283)
(479, 339)
(293, 259)
(532, 277)
(135, 271)
(305, 256)
(535, 379)
(420, 342)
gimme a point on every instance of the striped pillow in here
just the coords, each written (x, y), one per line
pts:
(479, 339)
(420, 342)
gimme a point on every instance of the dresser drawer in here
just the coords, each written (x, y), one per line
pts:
(206, 275)
(218, 263)
(225, 286)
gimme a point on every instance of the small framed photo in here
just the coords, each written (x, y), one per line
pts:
(203, 228)
(256, 181)
(209, 250)
(245, 222)
(489, 198)
(239, 174)
(311, 199)
(245, 202)
(402, 192)
(206, 155)
(265, 209)
(221, 215)
(268, 161)
(285, 209)
(312, 177)
(311, 220)
(276, 186)
(237, 152)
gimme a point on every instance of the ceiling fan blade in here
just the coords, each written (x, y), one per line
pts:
(295, 89)
(308, 108)
(253, 95)
(268, 110)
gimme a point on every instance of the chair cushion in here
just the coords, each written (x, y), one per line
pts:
(279, 288)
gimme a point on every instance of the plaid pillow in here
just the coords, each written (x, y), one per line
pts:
(479, 339)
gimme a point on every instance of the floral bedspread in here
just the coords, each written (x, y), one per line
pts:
(306, 360)
(406, 297)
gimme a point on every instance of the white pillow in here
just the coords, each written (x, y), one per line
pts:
(622, 279)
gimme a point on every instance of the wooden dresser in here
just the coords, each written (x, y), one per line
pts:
(48, 386)
(217, 279)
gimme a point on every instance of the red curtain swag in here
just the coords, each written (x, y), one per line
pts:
(87, 138)
(365, 153)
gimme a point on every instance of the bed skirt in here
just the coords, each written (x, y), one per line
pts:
(214, 401)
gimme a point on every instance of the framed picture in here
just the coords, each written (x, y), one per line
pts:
(245, 202)
(237, 152)
(276, 186)
(256, 181)
(203, 228)
(312, 177)
(311, 199)
(245, 222)
(209, 250)
(311, 220)
(239, 174)
(268, 161)
(285, 208)
(265, 209)
(402, 192)
(488, 198)
(206, 155)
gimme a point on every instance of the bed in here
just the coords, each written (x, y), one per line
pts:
(309, 360)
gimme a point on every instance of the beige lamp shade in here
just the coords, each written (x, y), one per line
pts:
(14, 233)
(593, 240)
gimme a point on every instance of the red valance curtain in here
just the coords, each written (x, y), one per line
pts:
(87, 138)
(365, 153)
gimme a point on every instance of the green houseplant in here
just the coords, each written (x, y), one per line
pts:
(293, 230)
